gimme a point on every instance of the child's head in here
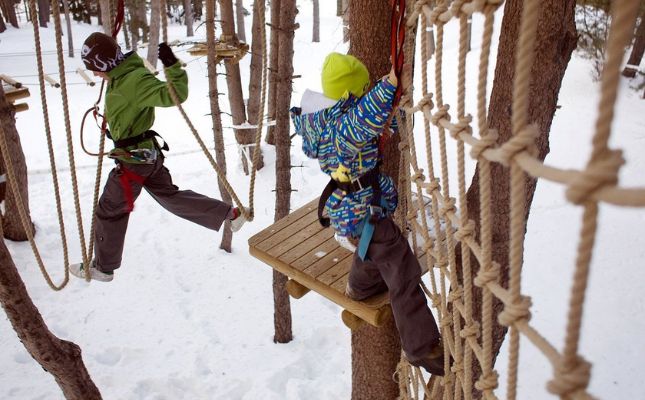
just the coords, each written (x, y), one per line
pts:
(101, 53)
(342, 74)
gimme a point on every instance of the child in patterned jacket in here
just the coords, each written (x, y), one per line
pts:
(342, 131)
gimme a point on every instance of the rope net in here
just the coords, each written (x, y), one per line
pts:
(467, 341)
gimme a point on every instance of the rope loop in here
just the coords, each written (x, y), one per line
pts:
(446, 321)
(403, 145)
(602, 172)
(462, 126)
(457, 366)
(487, 382)
(466, 231)
(523, 140)
(442, 113)
(449, 206)
(418, 177)
(425, 104)
(470, 330)
(455, 294)
(487, 141)
(487, 274)
(457, 8)
(569, 379)
(436, 300)
(515, 311)
(432, 185)
(440, 14)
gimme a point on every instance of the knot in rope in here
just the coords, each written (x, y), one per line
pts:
(515, 311)
(416, 10)
(411, 215)
(440, 15)
(431, 186)
(457, 8)
(599, 173)
(449, 206)
(462, 126)
(487, 382)
(446, 321)
(457, 366)
(488, 140)
(406, 98)
(403, 145)
(442, 113)
(427, 246)
(436, 300)
(487, 274)
(448, 380)
(425, 102)
(524, 140)
(418, 177)
(470, 330)
(569, 379)
(455, 294)
(441, 262)
(465, 231)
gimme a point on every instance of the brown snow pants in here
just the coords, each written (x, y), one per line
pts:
(112, 214)
(391, 265)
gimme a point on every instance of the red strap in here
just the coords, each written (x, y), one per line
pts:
(126, 177)
(118, 19)
(397, 39)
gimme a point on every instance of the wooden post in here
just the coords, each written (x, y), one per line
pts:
(85, 77)
(51, 81)
(11, 81)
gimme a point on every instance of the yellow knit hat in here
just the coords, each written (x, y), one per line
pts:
(343, 74)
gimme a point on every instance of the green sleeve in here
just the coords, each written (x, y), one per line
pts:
(151, 92)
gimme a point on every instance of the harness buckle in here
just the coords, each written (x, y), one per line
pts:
(375, 210)
(357, 181)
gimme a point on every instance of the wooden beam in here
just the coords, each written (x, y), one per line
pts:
(15, 94)
(295, 289)
(51, 81)
(21, 107)
(11, 81)
(85, 77)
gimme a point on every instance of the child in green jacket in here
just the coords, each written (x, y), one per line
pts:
(130, 100)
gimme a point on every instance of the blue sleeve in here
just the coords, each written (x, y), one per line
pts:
(364, 122)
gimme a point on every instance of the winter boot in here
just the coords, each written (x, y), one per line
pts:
(433, 361)
(78, 271)
(238, 218)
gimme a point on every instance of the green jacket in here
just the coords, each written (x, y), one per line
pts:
(132, 95)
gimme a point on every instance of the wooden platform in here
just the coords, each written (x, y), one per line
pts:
(299, 247)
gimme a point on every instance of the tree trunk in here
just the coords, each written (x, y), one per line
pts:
(197, 9)
(282, 308)
(125, 28)
(142, 18)
(12, 225)
(98, 13)
(132, 26)
(68, 22)
(375, 351)
(638, 49)
(255, 80)
(105, 16)
(346, 17)
(239, 16)
(556, 40)
(59, 357)
(43, 12)
(153, 42)
(216, 117)
(9, 11)
(316, 33)
(188, 16)
(234, 85)
(3, 27)
(274, 53)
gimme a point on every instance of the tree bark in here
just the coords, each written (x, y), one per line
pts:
(142, 18)
(239, 16)
(62, 359)
(274, 53)
(197, 9)
(375, 351)
(216, 117)
(9, 11)
(346, 22)
(153, 42)
(12, 225)
(282, 308)
(638, 49)
(105, 16)
(43, 12)
(255, 79)
(3, 27)
(316, 33)
(188, 16)
(556, 40)
(68, 22)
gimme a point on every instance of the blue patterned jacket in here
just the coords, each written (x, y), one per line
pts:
(347, 133)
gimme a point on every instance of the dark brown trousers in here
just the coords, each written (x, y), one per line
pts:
(391, 265)
(112, 214)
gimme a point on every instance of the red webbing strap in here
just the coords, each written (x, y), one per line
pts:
(126, 178)
(118, 18)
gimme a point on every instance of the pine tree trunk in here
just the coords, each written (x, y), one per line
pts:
(274, 53)
(85, 13)
(255, 80)
(556, 40)
(12, 225)
(142, 18)
(316, 33)
(153, 42)
(68, 22)
(105, 16)
(239, 16)
(346, 22)
(98, 13)
(188, 16)
(216, 117)
(234, 85)
(3, 27)
(375, 351)
(197, 9)
(43, 13)
(638, 49)
(9, 11)
(132, 25)
(125, 28)
(282, 307)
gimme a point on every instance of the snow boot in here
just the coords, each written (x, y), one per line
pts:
(433, 361)
(78, 271)
(238, 219)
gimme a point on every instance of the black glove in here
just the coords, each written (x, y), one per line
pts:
(166, 55)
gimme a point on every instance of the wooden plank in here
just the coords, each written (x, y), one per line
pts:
(306, 246)
(315, 254)
(334, 273)
(296, 239)
(295, 289)
(341, 282)
(278, 237)
(283, 222)
(319, 267)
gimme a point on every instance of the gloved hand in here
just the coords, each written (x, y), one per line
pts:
(166, 55)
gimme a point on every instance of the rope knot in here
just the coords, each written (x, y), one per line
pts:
(456, 8)
(465, 231)
(431, 186)
(440, 14)
(448, 207)
(487, 274)
(455, 294)
(523, 140)
(599, 173)
(403, 145)
(436, 300)
(487, 382)
(457, 366)
(442, 113)
(446, 321)
(470, 330)
(418, 177)
(515, 311)
(462, 126)
(569, 379)
(425, 104)
(488, 140)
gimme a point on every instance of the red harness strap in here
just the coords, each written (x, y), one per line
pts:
(126, 178)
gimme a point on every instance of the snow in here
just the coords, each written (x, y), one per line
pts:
(185, 320)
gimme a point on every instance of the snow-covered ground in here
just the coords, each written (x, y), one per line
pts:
(185, 320)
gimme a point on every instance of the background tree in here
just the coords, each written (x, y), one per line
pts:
(239, 17)
(188, 16)
(153, 42)
(638, 48)
(288, 11)
(8, 8)
(43, 12)
(555, 42)
(197, 9)
(68, 22)
(592, 21)
(255, 78)
(316, 33)
(3, 27)
(81, 10)
(11, 223)
(274, 53)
